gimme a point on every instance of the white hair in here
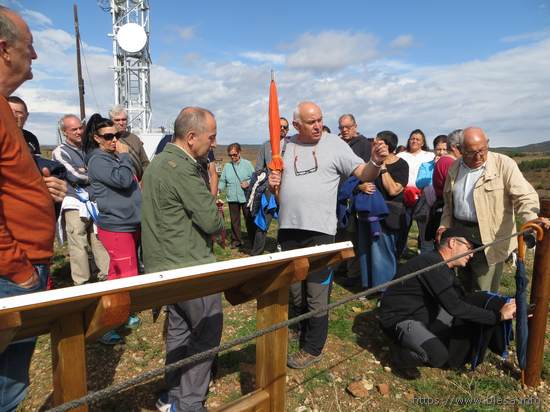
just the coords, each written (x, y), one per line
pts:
(117, 109)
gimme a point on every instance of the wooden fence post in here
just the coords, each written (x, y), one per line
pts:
(271, 349)
(69, 360)
(540, 297)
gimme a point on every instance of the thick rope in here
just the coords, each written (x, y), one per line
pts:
(198, 357)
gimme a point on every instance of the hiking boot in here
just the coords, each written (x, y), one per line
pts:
(302, 359)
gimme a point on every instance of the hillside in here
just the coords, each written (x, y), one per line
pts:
(530, 148)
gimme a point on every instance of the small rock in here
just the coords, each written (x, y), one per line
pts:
(387, 369)
(356, 309)
(302, 409)
(360, 389)
(398, 396)
(338, 379)
(377, 362)
(409, 396)
(384, 389)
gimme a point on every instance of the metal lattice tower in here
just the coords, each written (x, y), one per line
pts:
(132, 69)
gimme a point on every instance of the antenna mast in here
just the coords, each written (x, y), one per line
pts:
(132, 60)
(79, 66)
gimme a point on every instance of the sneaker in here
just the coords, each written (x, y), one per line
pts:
(162, 403)
(111, 338)
(133, 322)
(302, 359)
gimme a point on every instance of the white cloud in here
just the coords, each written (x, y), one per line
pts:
(264, 57)
(405, 40)
(331, 50)
(532, 36)
(186, 33)
(35, 17)
(508, 93)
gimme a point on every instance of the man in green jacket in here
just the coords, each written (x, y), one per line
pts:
(179, 215)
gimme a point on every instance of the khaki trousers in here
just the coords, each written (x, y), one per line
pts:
(81, 240)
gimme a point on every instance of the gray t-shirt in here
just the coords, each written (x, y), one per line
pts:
(308, 193)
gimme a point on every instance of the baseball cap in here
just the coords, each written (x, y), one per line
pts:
(465, 233)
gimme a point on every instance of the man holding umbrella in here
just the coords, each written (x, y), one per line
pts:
(307, 188)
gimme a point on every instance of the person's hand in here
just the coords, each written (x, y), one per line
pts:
(274, 180)
(31, 282)
(542, 221)
(245, 184)
(121, 147)
(379, 152)
(439, 232)
(508, 310)
(56, 187)
(367, 187)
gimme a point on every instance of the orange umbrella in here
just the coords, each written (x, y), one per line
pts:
(274, 128)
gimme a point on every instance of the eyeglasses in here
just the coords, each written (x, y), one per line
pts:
(308, 171)
(284, 127)
(109, 136)
(342, 127)
(468, 245)
(233, 155)
(479, 152)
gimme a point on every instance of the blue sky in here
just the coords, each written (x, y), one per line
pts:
(398, 65)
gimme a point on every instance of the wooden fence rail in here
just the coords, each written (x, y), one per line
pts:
(80, 314)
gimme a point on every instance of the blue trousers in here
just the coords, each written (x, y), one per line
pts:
(16, 359)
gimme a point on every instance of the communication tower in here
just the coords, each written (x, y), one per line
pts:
(132, 59)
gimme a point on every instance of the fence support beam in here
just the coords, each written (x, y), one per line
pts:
(69, 360)
(271, 349)
(540, 297)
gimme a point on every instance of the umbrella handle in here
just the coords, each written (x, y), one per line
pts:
(521, 241)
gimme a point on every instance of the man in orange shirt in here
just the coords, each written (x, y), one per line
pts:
(27, 218)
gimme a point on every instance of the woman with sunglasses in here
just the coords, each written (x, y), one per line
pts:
(116, 191)
(235, 180)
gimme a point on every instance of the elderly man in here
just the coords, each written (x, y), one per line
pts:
(314, 164)
(179, 215)
(140, 161)
(484, 192)
(27, 218)
(361, 146)
(423, 313)
(79, 226)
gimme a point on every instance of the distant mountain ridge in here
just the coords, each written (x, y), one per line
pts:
(529, 148)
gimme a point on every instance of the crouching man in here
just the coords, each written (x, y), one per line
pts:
(430, 318)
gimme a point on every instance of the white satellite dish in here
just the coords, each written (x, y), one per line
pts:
(131, 37)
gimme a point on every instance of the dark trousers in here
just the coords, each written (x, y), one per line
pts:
(258, 245)
(311, 294)
(235, 215)
(194, 326)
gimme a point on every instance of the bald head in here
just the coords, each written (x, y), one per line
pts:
(195, 131)
(475, 147)
(308, 120)
(16, 51)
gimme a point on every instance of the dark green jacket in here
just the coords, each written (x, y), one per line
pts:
(178, 213)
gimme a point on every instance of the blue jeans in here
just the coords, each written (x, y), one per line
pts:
(16, 359)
